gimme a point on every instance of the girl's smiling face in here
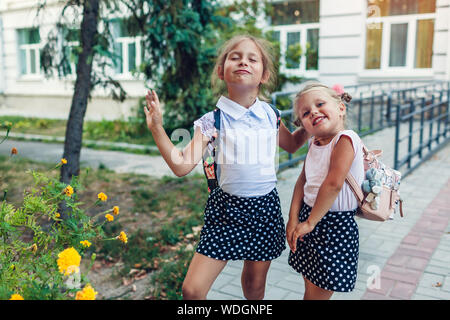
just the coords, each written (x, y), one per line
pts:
(244, 66)
(320, 114)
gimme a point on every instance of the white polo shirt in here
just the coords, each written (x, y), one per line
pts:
(246, 147)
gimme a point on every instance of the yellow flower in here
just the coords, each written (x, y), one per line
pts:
(68, 190)
(57, 215)
(88, 293)
(69, 261)
(122, 237)
(102, 196)
(116, 210)
(85, 243)
(16, 296)
(34, 248)
(109, 217)
(63, 161)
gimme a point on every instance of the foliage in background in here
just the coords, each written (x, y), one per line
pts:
(180, 41)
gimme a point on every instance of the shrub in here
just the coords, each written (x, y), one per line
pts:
(40, 251)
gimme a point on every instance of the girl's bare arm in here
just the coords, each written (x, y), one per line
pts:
(296, 204)
(181, 162)
(291, 142)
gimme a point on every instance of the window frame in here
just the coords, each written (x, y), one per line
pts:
(303, 29)
(126, 73)
(387, 21)
(28, 47)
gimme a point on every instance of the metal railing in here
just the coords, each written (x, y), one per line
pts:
(427, 122)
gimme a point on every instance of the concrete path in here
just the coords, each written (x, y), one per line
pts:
(113, 160)
(405, 258)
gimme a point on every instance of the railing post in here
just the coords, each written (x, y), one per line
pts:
(388, 109)
(430, 138)
(410, 129)
(360, 113)
(371, 110)
(397, 137)
(422, 114)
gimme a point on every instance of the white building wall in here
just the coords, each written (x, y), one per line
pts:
(2, 64)
(340, 38)
(441, 45)
(50, 97)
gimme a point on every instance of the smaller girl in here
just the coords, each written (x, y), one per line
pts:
(321, 231)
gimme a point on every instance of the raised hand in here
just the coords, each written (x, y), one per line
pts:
(152, 110)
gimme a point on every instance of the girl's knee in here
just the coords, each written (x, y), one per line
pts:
(253, 287)
(192, 292)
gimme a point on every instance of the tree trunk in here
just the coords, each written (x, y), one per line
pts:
(74, 129)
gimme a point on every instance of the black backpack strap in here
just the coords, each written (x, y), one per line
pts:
(209, 164)
(277, 113)
(217, 118)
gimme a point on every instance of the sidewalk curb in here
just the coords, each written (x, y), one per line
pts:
(45, 138)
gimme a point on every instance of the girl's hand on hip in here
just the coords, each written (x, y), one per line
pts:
(300, 231)
(152, 110)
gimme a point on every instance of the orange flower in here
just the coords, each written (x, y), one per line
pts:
(13, 151)
(85, 243)
(102, 196)
(69, 261)
(68, 190)
(88, 293)
(122, 237)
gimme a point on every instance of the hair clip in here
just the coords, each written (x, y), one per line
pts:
(338, 88)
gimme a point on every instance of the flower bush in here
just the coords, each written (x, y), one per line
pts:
(41, 252)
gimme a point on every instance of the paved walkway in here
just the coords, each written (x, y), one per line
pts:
(405, 258)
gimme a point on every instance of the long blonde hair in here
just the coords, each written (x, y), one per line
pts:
(219, 86)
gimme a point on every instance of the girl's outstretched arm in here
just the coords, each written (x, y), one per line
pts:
(296, 204)
(180, 162)
(292, 141)
(340, 162)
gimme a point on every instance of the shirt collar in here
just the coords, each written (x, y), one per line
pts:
(236, 110)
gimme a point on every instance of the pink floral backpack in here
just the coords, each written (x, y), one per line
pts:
(378, 197)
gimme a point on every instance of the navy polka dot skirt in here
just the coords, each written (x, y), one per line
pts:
(328, 255)
(242, 228)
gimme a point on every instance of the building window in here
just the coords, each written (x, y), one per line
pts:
(399, 34)
(127, 49)
(295, 12)
(296, 26)
(29, 54)
(70, 50)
